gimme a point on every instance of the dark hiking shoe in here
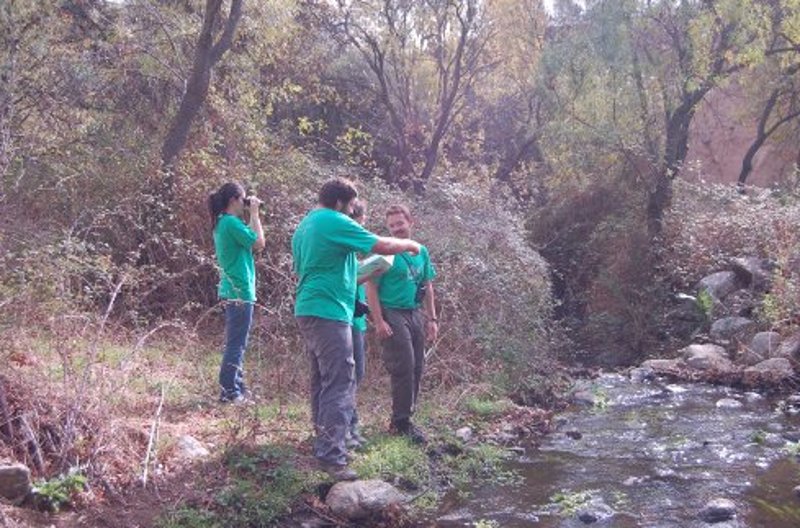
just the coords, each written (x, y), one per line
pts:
(408, 429)
(338, 472)
(351, 443)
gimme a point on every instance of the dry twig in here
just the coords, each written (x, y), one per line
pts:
(151, 439)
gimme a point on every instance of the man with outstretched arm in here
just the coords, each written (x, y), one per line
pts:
(403, 310)
(324, 248)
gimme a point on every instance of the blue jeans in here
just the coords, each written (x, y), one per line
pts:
(360, 358)
(238, 317)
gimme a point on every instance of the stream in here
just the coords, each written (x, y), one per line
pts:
(653, 453)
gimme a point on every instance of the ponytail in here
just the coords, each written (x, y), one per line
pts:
(218, 201)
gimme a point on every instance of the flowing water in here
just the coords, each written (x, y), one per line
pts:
(655, 454)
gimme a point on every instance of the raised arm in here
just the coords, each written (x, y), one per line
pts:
(255, 224)
(393, 246)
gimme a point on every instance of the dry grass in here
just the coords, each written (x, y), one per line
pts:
(90, 400)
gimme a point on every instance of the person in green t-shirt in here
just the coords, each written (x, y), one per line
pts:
(234, 243)
(403, 310)
(324, 248)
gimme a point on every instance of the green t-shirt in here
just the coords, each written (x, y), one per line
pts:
(233, 242)
(324, 248)
(360, 323)
(397, 288)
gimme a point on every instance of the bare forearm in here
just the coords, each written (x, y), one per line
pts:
(430, 303)
(374, 303)
(393, 246)
(255, 225)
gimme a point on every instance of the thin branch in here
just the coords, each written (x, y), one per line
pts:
(151, 439)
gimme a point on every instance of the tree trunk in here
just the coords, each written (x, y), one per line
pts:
(762, 132)
(676, 148)
(514, 156)
(207, 53)
(10, 43)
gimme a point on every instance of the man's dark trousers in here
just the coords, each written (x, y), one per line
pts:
(404, 357)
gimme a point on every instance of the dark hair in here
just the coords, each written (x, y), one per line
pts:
(219, 201)
(337, 190)
(359, 208)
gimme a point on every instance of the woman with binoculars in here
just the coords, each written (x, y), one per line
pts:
(234, 244)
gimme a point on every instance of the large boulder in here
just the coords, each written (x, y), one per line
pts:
(190, 448)
(15, 482)
(362, 498)
(719, 285)
(656, 367)
(768, 372)
(594, 511)
(764, 345)
(707, 357)
(732, 330)
(790, 348)
(718, 510)
(753, 272)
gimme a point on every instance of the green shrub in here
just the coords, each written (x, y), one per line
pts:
(58, 492)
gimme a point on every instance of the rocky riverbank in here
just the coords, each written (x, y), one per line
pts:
(723, 317)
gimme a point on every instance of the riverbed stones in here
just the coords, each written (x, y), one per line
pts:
(729, 329)
(663, 366)
(768, 372)
(594, 511)
(753, 272)
(719, 285)
(742, 303)
(752, 397)
(685, 316)
(464, 434)
(764, 345)
(360, 499)
(729, 403)
(718, 510)
(791, 405)
(791, 436)
(15, 482)
(642, 374)
(190, 448)
(706, 357)
(584, 397)
(790, 348)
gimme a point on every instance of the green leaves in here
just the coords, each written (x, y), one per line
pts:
(58, 492)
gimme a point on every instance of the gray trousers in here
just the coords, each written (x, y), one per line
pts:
(404, 358)
(330, 350)
(360, 359)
